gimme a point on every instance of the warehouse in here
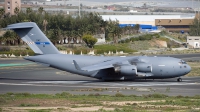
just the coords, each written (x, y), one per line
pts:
(151, 22)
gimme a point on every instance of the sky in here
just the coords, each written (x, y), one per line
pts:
(162, 3)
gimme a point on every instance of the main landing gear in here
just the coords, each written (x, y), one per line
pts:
(179, 79)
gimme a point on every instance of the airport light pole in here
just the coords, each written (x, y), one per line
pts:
(79, 9)
(198, 20)
(192, 5)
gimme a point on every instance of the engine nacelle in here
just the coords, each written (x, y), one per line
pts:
(126, 70)
(144, 67)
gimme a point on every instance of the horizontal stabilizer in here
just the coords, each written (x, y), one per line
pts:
(17, 27)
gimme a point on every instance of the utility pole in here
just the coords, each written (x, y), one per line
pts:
(192, 5)
(198, 8)
(198, 20)
(65, 3)
(79, 9)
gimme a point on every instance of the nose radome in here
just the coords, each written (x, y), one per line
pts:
(188, 69)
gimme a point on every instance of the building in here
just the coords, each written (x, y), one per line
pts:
(180, 25)
(194, 41)
(10, 6)
(100, 38)
(151, 22)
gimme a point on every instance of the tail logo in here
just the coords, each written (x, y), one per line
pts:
(42, 43)
(39, 43)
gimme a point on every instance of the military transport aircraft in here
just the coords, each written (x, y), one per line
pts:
(100, 67)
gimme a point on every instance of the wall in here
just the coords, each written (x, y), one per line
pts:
(10, 6)
(194, 41)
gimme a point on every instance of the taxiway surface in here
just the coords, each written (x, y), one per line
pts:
(19, 75)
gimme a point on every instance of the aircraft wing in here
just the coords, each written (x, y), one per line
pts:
(103, 65)
(97, 67)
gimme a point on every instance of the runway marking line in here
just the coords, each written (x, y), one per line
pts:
(14, 64)
(24, 70)
(13, 67)
(74, 86)
(39, 85)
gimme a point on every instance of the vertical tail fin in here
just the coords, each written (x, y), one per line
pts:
(34, 37)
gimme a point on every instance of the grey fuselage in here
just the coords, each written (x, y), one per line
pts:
(162, 67)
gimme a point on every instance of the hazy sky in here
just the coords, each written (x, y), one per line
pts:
(162, 3)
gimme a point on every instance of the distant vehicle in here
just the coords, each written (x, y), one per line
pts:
(100, 67)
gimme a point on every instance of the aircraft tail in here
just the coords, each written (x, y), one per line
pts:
(34, 37)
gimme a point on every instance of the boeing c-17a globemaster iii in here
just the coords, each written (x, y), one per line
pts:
(100, 67)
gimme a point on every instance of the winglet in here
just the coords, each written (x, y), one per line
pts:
(76, 65)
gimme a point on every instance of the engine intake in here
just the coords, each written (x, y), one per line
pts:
(144, 67)
(126, 70)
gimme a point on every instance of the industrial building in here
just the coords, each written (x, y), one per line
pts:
(151, 22)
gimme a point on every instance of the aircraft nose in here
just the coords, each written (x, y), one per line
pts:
(188, 69)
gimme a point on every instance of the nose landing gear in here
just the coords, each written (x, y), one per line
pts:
(179, 79)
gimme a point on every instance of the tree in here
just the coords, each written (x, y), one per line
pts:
(114, 30)
(45, 25)
(137, 27)
(53, 35)
(195, 27)
(40, 10)
(2, 12)
(16, 10)
(9, 38)
(89, 40)
(29, 10)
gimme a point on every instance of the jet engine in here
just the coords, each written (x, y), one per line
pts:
(126, 70)
(144, 67)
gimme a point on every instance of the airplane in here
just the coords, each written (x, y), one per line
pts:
(106, 68)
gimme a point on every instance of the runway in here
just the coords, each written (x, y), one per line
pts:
(19, 75)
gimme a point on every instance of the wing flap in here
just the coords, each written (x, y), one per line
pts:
(103, 65)
(96, 67)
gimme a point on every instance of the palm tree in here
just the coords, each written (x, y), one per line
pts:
(137, 27)
(113, 30)
(9, 38)
(45, 25)
(2, 12)
(195, 28)
(29, 10)
(62, 36)
(40, 10)
(16, 10)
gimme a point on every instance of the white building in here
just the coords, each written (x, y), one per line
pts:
(100, 38)
(144, 19)
(194, 41)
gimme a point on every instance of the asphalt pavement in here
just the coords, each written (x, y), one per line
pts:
(19, 75)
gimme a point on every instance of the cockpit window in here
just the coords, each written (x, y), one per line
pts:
(182, 62)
